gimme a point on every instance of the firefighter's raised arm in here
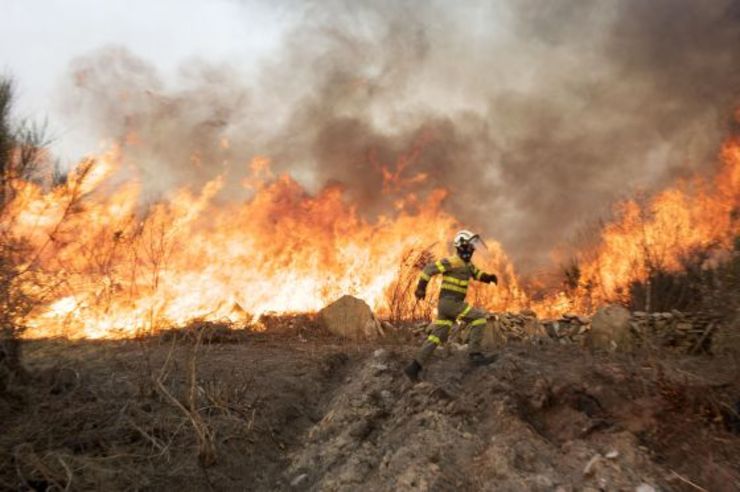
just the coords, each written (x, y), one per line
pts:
(481, 276)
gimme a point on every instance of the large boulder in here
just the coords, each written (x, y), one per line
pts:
(493, 336)
(610, 329)
(350, 317)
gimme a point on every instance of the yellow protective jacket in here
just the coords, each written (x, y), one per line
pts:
(456, 276)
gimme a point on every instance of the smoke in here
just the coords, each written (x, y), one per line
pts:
(536, 116)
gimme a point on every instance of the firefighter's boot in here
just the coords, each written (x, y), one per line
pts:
(478, 359)
(412, 371)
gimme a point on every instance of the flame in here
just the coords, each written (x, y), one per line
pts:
(121, 270)
(110, 266)
(693, 215)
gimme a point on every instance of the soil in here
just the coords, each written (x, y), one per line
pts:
(297, 409)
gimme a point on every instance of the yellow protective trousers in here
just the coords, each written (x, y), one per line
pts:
(450, 311)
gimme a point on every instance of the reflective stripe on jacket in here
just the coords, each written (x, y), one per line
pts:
(456, 276)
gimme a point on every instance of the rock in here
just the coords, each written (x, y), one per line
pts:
(643, 487)
(613, 454)
(610, 329)
(541, 394)
(590, 467)
(352, 318)
(532, 327)
(379, 368)
(297, 481)
(540, 482)
(571, 329)
(493, 335)
(552, 329)
(528, 313)
(380, 354)
(458, 347)
(387, 326)
(684, 326)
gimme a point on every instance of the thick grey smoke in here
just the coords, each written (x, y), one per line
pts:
(535, 115)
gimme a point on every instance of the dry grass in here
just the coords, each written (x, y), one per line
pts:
(402, 305)
(186, 409)
(206, 444)
(108, 424)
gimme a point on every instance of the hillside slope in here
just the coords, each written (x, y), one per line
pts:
(302, 411)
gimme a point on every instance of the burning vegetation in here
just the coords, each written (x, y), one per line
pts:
(103, 263)
(335, 171)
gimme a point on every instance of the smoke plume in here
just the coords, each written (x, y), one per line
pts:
(536, 116)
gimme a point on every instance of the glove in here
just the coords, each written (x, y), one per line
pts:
(489, 278)
(421, 291)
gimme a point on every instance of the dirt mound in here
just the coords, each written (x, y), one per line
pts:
(503, 427)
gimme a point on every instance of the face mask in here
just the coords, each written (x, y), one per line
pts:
(466, 251)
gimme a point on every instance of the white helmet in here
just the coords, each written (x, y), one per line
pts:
(465, 237)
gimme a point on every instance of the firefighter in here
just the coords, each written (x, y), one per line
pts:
(457, 272)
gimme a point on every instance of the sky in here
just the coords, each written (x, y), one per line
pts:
(39, 39)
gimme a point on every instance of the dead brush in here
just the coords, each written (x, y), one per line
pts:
(34, 471)
(402, 305)
(89, 442)
(227, 398)
(207, 455)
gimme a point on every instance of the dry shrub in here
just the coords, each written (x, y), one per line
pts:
(399, 297)
(205, 436)
(709, 280)
(114, 429)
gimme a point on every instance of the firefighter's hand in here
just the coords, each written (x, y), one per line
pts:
(420, 293)
(489, 278)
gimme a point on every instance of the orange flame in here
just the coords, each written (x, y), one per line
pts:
(693, 215)
(112, 268)
(282, 250)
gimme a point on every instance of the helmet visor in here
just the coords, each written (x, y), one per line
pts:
(477, 243)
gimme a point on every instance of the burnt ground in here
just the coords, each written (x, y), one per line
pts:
(300, 410)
